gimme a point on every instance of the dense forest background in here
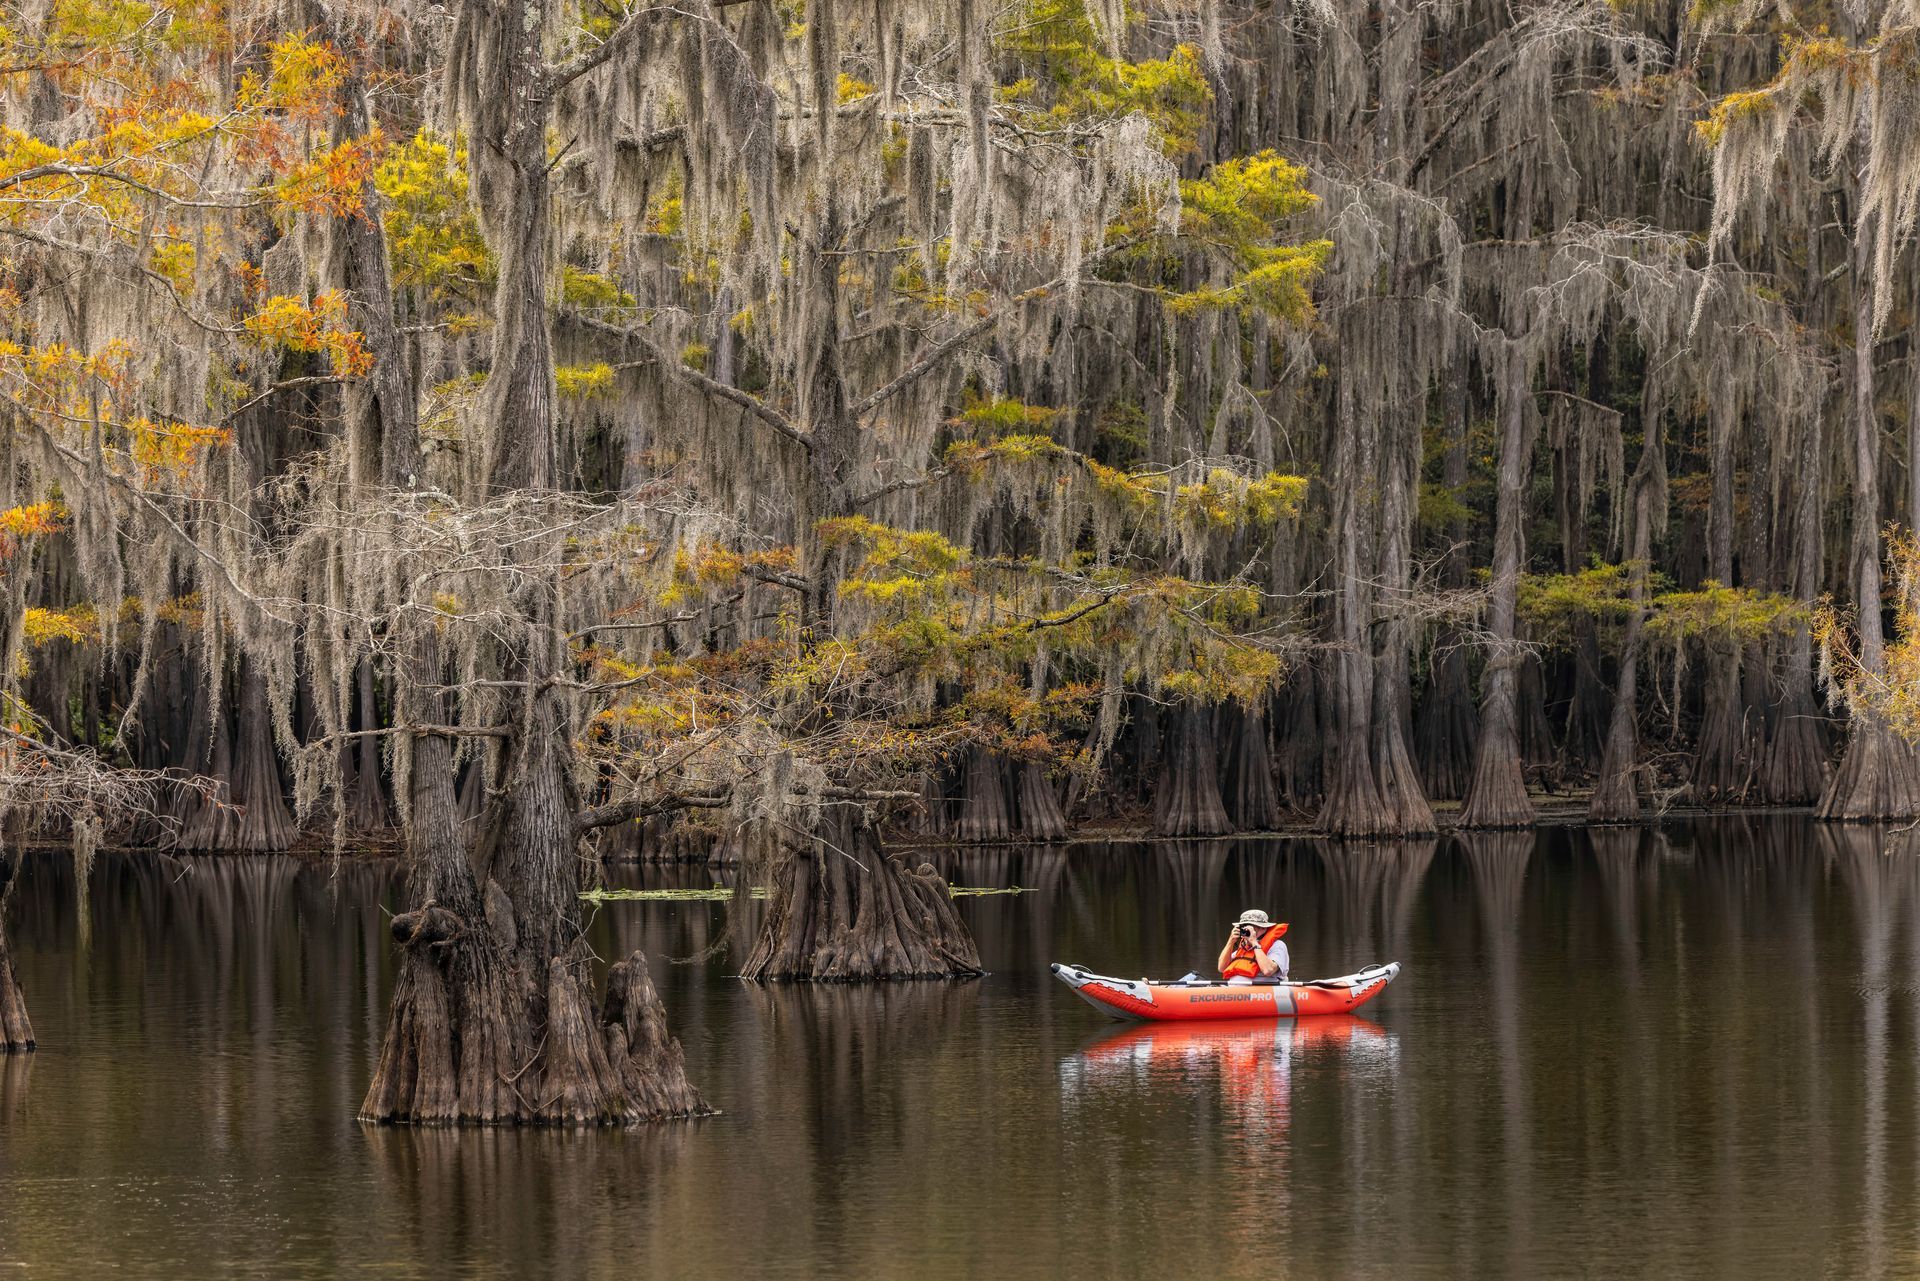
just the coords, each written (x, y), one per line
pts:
(523, 433)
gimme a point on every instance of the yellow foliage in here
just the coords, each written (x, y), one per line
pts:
(173, 260)
(1227, 500)
(584, 380)
(432, 237)
(1723, 613)
(80, 625)
(1734, 108)
(585, 288)
(1238, 211)
(1886, 685)
(1076, 81)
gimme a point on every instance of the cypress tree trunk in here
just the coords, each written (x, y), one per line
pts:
(268, 825)
(865, 916)
(1300, 744)
(1248, 791)
(1497, 795)
(1037, 812)
(981, 812)
(843, 909)
(1445, 731)
(247, 812)
(1721, 772)
(1799, 743)
(1879, 776)
(1188, 801)
(494, 1017)
(1616, 792)
(1400, 792)
(1002, 800)
(16, 1032)
(1799, 747)
(1352, 804)
(1406, 812)
(1587, 712)
(365, 800)
(1538, 748)
(448, 1052)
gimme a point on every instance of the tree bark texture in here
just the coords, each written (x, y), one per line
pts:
(1722, 764)
(843, 909)
(1616, 792)
(1188, 801)
(1879, 776)
(1247, 789)
(1497, 795)
(16, 1030)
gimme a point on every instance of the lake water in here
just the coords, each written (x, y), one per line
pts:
(1689, 1051)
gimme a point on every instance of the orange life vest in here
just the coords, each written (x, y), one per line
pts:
(1242, 964)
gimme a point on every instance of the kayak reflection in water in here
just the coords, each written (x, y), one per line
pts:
(1250, 1062)
(1255, 949)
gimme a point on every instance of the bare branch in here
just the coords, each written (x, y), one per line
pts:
(559, 77)
(679, 371)
(639, 807)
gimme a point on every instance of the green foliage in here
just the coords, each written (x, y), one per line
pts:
(1601, 593)
(1120, 433)
(1553, 603)
(1000, 416)
(1238, 213)
(1719, 613)
(1075, 80)
(1444, 507)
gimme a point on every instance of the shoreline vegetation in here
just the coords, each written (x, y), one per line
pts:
(1552, 810)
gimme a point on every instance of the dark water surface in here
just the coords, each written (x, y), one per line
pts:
(1689, 1052)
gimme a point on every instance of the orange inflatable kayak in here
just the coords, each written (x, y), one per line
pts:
(1186, 1002)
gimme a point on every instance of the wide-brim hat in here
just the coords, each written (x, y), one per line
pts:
(1254, 916)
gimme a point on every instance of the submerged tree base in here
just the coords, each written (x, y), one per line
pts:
(842, 909)
(453, 1057)
(1878, 778)
(16, 1032)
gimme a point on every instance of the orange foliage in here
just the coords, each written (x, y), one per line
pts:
(171, 449)
(17, 524)
(331, 181)
(319, 326)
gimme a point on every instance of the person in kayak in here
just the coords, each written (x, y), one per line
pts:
(1254, 949)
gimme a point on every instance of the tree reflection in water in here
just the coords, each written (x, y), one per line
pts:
(15, 1072)
(1685, 1050)
(1877, 867)
(1497, 863)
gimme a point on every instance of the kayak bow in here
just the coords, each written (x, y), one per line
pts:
(1180, 1002)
